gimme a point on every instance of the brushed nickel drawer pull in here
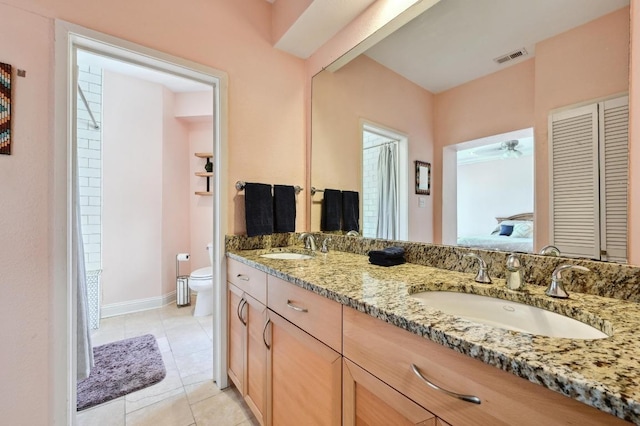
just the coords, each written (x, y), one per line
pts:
(296, 308)
(264, 331)
(243, 277)
(239, 310)
(467, 398)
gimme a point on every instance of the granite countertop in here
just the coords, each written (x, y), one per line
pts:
(604, 373)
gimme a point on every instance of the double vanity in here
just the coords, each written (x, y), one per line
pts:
(327, 338)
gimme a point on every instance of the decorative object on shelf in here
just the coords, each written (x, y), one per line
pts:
(208, 173)
(5, 109)
(423, 178)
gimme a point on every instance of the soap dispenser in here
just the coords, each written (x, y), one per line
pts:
(514, 275)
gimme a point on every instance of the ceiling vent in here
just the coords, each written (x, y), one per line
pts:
(510, 56)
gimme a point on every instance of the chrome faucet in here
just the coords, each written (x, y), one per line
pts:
(514, 276)
(482, 276)
(309, 241)
(550, 251)
(556, 288)
(353, 233)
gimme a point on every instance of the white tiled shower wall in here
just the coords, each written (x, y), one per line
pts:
(90, 164)
(89, 157)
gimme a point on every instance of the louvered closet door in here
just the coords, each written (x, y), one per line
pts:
(614, 176)
(574, 192)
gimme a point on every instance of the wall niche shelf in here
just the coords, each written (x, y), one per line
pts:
(207, 175)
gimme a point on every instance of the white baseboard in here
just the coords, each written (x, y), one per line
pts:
(132, 306)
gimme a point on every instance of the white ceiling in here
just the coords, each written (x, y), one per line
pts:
(456, 40)
(318, 23)
(172, 82)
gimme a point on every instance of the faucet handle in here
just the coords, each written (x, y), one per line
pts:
(482, 276)
(556, 288)
(550, 250)
(325, 245)
(514, 264)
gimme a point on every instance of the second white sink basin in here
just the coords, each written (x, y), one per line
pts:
(508, 315)
(286, 255)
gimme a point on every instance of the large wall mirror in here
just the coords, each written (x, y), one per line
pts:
(468, 86)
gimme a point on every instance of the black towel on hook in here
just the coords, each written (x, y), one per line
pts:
(258, 209)
(350, 211)
(331, 210)
(284, 208)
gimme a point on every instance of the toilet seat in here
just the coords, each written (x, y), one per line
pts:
(205, 273)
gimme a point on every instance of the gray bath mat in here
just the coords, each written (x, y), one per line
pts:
(120, 368)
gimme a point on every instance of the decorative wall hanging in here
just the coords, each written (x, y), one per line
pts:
(423, 178)
(5, 109)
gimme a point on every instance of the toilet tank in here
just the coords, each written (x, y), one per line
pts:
(210, 250)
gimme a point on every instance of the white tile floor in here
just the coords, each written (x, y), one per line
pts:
(187, 396)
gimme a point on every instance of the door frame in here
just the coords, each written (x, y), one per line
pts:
(404, 170)
(69, 37)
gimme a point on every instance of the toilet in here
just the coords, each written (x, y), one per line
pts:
(201, 281)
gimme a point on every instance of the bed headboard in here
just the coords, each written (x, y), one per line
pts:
(519, 216)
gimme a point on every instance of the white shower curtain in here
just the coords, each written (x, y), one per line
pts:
(387, 193)
(84, 352)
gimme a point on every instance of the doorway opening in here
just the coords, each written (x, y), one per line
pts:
(488, 180)
(71, 42)
(384, 183)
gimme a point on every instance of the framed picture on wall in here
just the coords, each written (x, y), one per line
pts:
(423, 178)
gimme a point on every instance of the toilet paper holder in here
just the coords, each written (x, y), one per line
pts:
(183, 293)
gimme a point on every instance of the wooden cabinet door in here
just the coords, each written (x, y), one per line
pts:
(255, 389)
(304, 379)
(367, 401)
(236, 321)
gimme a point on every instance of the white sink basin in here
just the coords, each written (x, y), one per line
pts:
(508, 315)
(286, 256)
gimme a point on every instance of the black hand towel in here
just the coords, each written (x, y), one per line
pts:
(386, 262)
(258, 206)
(331, 210)
(284, 208)
(350, 211)
(388, 253)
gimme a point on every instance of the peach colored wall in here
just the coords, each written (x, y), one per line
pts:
(201, 207)
(266, 86)
(194, 105)
(132, 188)
(634, 134)
(366, 90)
(494, 104)
(25, 222)
(266, 127)
(586, 63)
(175, 191)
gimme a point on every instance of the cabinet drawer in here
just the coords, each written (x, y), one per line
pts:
(389, 352)
(248, 279)
(317, 315)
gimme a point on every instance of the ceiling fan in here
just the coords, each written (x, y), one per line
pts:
(506, 149)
